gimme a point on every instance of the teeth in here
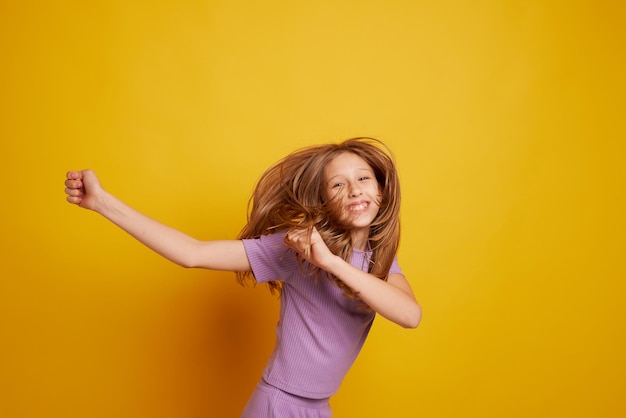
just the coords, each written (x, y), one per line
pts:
(358, 207)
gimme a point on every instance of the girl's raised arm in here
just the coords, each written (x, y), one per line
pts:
(84, 189)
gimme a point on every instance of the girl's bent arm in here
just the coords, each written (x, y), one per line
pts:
(83, 189)
(393, 298)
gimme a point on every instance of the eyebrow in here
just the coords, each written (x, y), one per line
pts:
(369, 170)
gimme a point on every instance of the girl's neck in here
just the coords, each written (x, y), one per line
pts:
(360, 239)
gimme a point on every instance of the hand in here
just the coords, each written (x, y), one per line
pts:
(311, 247)
(83, 189)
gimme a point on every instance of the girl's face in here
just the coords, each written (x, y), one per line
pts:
(350, 179)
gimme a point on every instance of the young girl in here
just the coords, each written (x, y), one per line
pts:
(323, 231)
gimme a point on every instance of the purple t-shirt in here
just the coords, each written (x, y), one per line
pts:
(320, 331)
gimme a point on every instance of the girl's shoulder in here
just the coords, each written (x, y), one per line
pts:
(269, 257)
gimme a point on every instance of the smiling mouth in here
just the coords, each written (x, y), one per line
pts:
(358, 207)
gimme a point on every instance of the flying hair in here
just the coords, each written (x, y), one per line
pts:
(290, 195)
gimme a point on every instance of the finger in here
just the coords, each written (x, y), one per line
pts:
(291, 236)
(73, 192)
(296, 242)
(74, 199)
(74, 184)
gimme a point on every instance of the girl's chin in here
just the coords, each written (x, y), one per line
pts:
(363, 220)
(360, 230)
(356, 222)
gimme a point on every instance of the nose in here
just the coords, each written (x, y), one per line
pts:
(355, 190)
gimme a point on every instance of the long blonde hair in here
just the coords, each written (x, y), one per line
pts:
(290, 195)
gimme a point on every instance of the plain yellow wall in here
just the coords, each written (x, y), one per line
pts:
(507, 120)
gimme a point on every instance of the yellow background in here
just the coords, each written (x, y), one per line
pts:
(507, 120)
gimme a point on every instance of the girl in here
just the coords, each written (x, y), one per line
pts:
(323, 231)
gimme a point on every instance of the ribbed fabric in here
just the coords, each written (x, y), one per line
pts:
(320, 331)
(270, 402)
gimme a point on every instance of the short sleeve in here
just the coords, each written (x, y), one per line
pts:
(269, 258)
(395, 267)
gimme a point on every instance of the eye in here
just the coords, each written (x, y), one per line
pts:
(336, 185)
(363, 178)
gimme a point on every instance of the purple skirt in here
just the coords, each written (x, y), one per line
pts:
(268, 401)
